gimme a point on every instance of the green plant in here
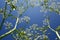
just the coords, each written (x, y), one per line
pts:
(23, 33)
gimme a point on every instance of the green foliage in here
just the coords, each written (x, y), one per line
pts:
(21, 33)
(8, 0)
(45, 38)
(45, 1)
(13, 7)
(1, 10)
(43, 29)
(58, 28)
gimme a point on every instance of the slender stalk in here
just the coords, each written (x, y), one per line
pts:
(55, 32)
(2, 23)
(4, 16)
(37, 38)
(10, 30)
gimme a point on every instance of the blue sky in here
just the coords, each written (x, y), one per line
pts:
(36, 18)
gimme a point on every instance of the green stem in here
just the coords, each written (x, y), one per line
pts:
(4, 15)
(55, 32)
(2, 23)
(9, 32)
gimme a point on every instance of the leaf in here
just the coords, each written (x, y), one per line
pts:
(13, 6)
(43, 28)
(58, 28)
(51, 9)
(45, 38)
(10, 15)
(1, 10)
(45, 1)
(57, 11)
(8, 0)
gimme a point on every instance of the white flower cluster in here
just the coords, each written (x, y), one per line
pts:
(51, 5)
(34, 2)
(30, 33)
(14, 2)
(43, 9)
(21, 10)
(34, 26)
(42, 37)
(32, 29)
(8, 25)
(25, 18)
(45, 22)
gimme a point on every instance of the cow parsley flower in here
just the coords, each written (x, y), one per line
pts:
(14, 2)
(26, 18)
(21, 10)
(34, 26)
(8, 25)
(34, 2)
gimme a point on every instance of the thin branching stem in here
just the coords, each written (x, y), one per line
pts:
(10, 30)
(4, 15)
(55, 32)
